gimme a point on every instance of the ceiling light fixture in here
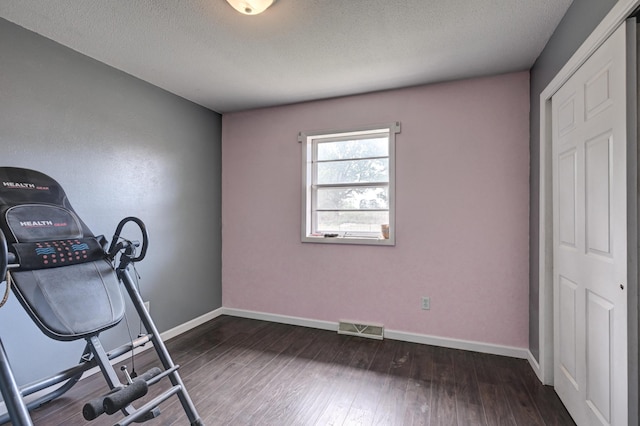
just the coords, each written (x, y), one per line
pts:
(250, 7)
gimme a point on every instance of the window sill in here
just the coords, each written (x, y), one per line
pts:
(349, 240)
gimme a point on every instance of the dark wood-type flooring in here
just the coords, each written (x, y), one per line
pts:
(247, 372)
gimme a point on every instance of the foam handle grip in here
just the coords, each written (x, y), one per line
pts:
(148, 375)
(126, 396)
(93, 409)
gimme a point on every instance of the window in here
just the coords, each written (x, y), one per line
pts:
(348, 186)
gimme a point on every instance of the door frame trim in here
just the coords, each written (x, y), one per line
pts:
(544, 366)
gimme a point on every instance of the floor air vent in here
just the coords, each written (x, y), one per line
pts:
(372, 331)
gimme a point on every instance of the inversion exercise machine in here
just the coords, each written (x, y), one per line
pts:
(69, 283)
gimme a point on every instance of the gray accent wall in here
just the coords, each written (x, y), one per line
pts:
(120, 147)
(582, 17)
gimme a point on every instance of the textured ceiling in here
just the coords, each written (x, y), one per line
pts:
(298, 50)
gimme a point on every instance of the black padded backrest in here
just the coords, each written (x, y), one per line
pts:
(64, 281)
(33, 202)
(24, 186)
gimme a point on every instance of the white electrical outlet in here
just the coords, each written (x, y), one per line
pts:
(426, 303)
(147, 306)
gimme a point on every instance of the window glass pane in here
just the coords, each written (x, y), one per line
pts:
(363, 221)
(353, 198)
(359, 148)
(356, 171)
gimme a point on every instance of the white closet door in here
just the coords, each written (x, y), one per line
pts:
(590, 238)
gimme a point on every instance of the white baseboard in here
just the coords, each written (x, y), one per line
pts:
(322, 325)
(331, 326)
(183, 328)
(282, 319)
(535, 365)
(468, 345)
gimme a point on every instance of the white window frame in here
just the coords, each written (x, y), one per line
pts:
(308, 172)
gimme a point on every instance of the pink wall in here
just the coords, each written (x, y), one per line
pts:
(462, 182)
